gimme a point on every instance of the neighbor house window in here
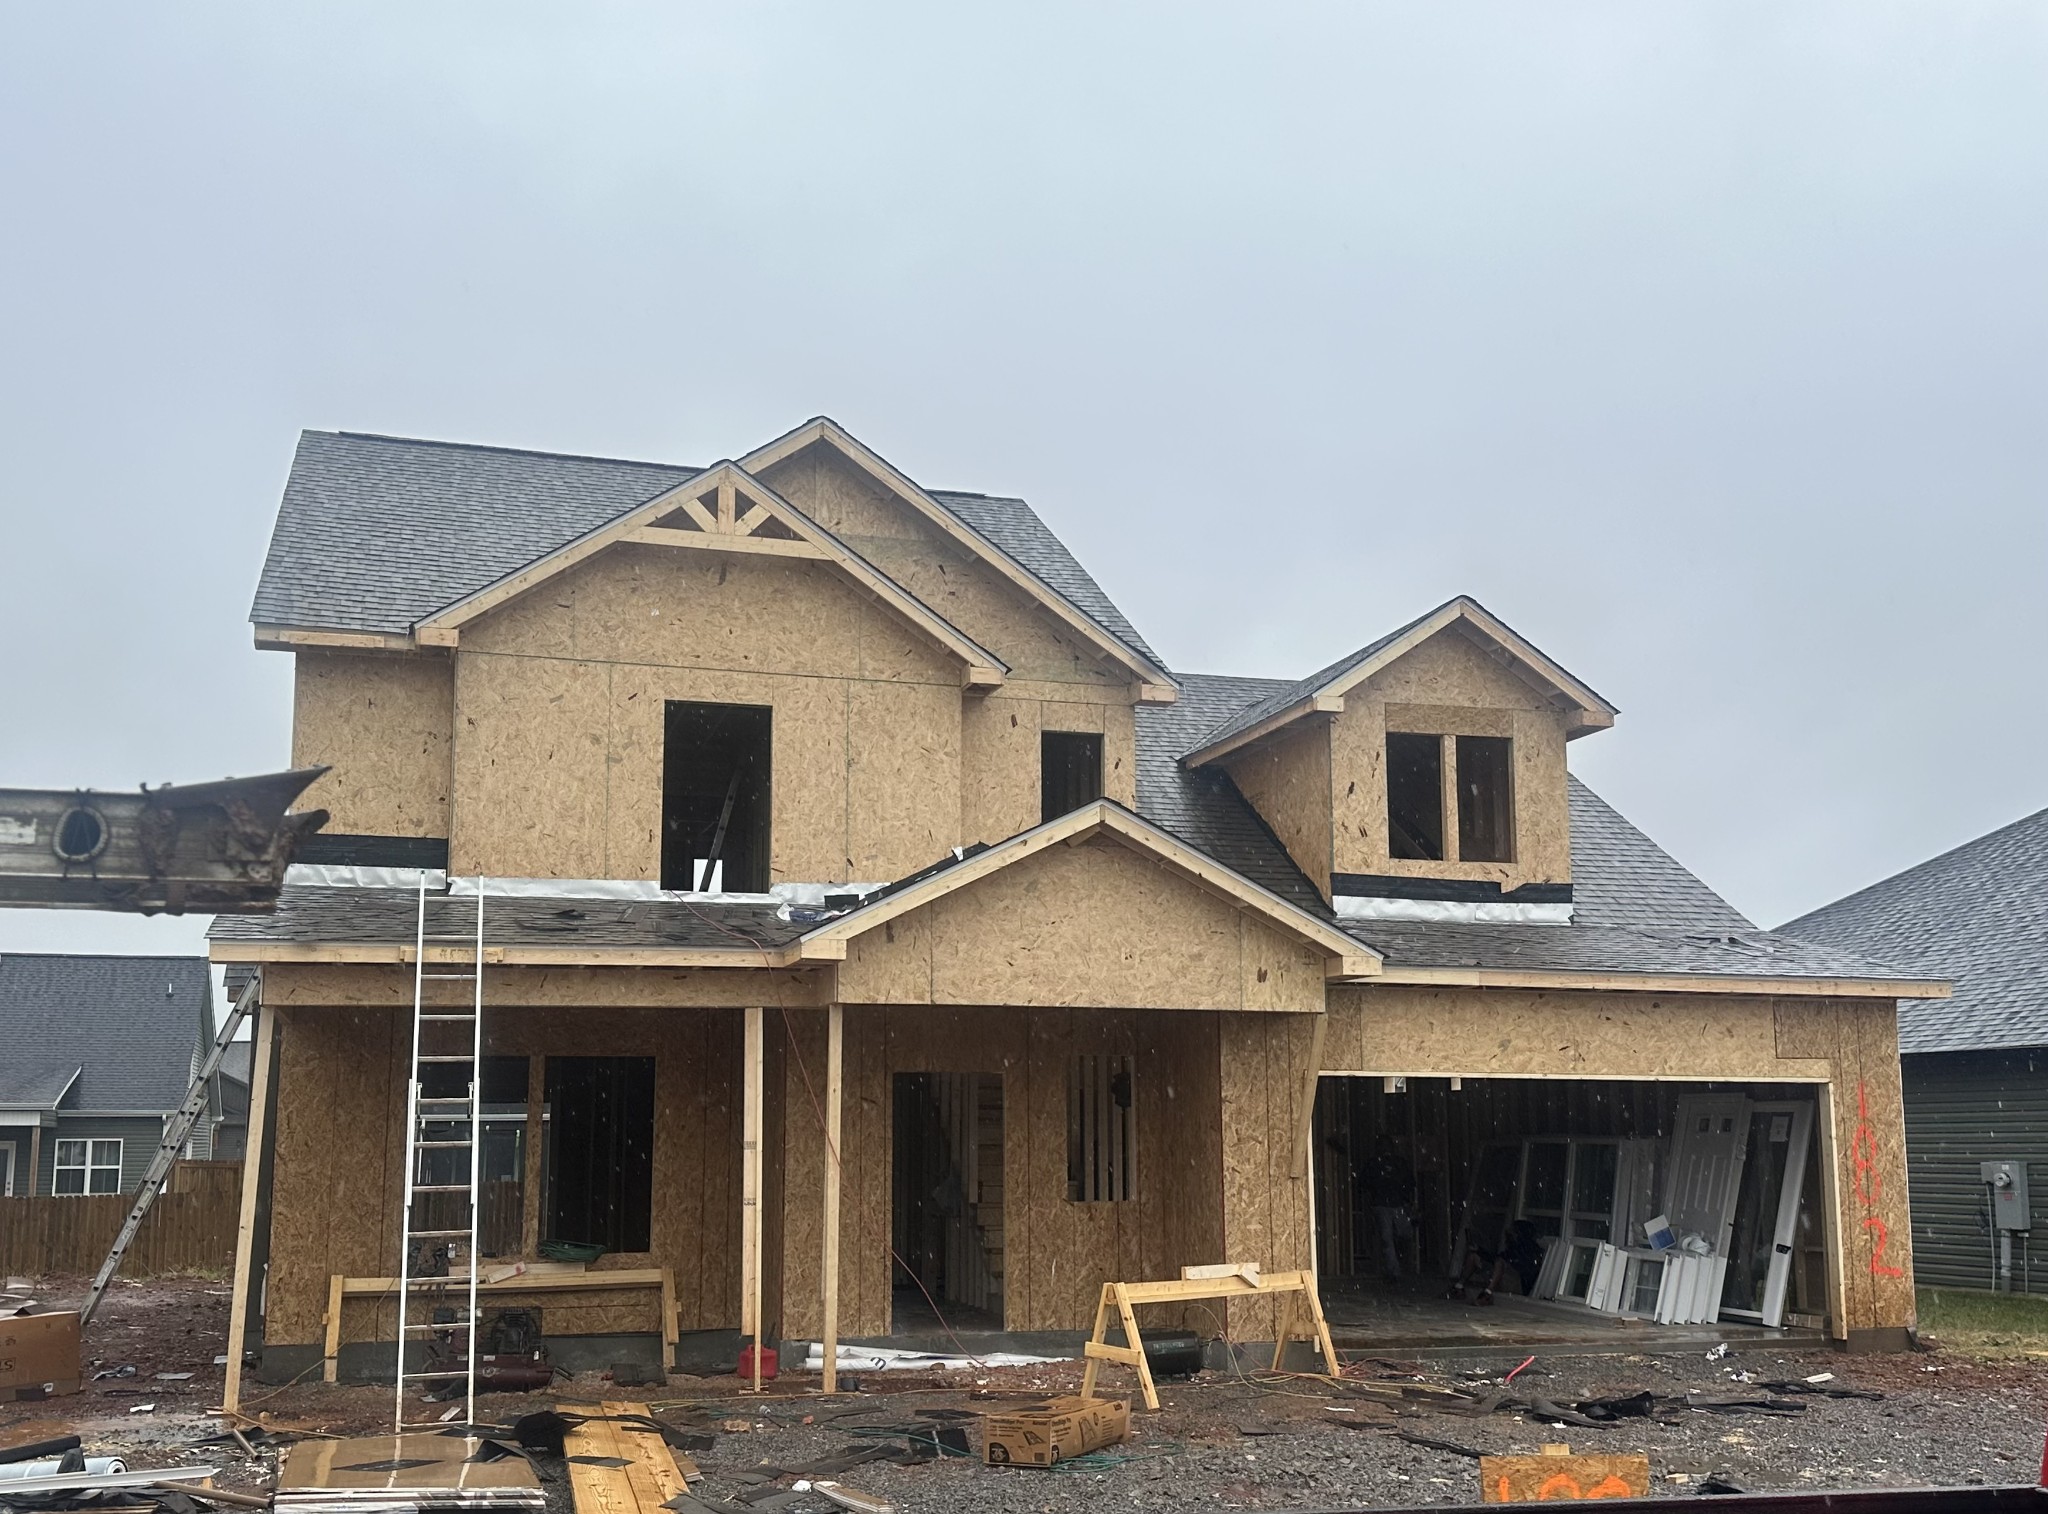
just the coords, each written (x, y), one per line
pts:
(600, 1151)
(87, 1167)
(1102, 1150)
(1069, 771)
(715, 797)
(1415, 796)
(1486, 811)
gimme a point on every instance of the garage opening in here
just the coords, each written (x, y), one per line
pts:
(1593, 1201)
(946, 1200)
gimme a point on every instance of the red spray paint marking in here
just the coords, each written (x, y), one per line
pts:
(1869, 1186)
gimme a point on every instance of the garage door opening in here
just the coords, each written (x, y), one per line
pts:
(1568, 1203)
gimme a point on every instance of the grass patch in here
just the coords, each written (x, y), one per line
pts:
(1983, 1323)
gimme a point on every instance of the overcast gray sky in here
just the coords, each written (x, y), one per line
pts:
(1704, 343)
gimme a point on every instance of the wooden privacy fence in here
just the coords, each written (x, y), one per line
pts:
(190, 1228)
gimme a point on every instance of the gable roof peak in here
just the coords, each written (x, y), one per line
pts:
(1322, 692)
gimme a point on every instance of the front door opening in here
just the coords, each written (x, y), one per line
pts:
(1663, 1202)
(946, 1210)
(715, 797)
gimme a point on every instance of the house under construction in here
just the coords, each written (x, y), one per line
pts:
(865, 921)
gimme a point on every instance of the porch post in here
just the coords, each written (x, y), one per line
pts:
(245, 1228)
(835, 1057)
(35, 1156)
(750, 1192)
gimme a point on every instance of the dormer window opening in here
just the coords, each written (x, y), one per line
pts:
(1481, 768)
(715, 797)
(1415, 796)
(1486, 811)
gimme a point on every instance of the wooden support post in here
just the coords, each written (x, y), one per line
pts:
(245, 1230)
(1304, 1165)
(835, 1067)
(35, 1158)
(330, 1360)
(750, 1192)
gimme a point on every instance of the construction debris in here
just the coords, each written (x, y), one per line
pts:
(423, 1472)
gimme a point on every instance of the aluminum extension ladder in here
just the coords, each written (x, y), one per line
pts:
(177, 1131)
(443, 1155)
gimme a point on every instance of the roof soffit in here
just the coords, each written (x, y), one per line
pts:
(1155, 683)
(723, 508)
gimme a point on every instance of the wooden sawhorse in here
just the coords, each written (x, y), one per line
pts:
(1293, 1289)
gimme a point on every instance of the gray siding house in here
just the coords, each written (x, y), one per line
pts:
(1975, 1066)
(95, 1054)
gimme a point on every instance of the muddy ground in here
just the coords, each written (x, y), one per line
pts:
(1220, 1441)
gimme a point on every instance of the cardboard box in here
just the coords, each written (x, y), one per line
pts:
(1037, 1435)
(38, 1355)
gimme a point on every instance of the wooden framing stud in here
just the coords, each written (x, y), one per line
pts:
(751, 1190)
(835, 1094)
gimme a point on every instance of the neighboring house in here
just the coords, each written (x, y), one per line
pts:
(1975, 1065)
(1134, 969)
(96, 1053)
(231, 1133)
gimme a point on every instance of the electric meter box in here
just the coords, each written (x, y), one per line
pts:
(2010, 1207)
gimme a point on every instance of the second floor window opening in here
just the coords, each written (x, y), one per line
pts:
(1416, 770)
(1069, 771)
(1415, 796)
(1486, 811)
(715, 797)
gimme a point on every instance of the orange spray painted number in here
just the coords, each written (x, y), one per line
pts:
(1869, 1187)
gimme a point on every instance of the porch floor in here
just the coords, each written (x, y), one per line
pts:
(1413, 1315)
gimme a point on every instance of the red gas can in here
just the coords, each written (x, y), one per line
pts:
(747, 1363)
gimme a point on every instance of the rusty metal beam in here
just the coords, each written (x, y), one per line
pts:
(210, 848)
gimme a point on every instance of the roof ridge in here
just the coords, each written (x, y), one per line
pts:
(113, 956)
(567, 457)
(1917, 867)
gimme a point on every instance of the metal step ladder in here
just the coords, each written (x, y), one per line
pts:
(177, 1131)
(443, 1155)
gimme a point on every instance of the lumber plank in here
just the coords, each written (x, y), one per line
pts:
(594, 1489)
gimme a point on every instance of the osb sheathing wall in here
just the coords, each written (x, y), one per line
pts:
(560, 699)
(382, 723)
(1450, 686)
(1849, 1045)
(1096, 925)
(892, 535)
(339, 1173)
(999, 787)
(1058, 1253)
(1288, 781)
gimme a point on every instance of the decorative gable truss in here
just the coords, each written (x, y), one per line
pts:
(722, 509)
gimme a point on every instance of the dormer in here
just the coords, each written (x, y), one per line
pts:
(1426, 769)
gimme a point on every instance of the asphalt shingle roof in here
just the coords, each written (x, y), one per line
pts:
(1621, 877)
(1203, 807)
(378, 532)
(1978, 916)
(133, 1024)
(392, 915)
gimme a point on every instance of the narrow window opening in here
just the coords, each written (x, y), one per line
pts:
(1486, 811)
(1102, 1127)
(600, 1151)
(715, 797)
(1415, 796)
(1069, 771)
